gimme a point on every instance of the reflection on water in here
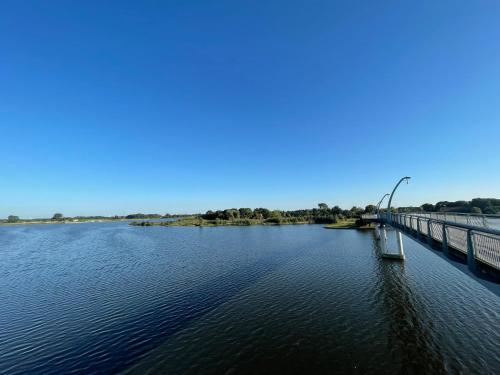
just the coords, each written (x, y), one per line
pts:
(106, 297)
(410, 331)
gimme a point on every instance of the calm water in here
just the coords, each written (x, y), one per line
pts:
(107, 297)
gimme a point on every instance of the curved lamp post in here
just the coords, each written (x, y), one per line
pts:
(378, 225)
(380, 202)
(389, 214)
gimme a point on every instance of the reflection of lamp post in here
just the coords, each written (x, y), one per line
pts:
(389, 214)
(378, 205)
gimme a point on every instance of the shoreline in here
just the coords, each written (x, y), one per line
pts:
(199, 222)
(209, 224)
(194, 222)
(61, 222)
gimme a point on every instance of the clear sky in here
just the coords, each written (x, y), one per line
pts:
(113, 107)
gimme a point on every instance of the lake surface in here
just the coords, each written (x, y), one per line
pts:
(108, 297)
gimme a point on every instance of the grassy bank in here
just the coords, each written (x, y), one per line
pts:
(196, 221)
(347, 224)
(342, 224)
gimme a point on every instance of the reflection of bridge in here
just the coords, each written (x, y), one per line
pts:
(465, 238)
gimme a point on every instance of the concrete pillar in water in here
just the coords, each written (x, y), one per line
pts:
(383, 240)
(383, 244)
(400, 244)
(377, 231)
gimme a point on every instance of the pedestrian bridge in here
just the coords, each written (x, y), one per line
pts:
(470, 239)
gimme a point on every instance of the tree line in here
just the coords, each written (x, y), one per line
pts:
(488, 206)
(323, 214)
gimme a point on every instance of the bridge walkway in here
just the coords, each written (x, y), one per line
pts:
(465, 238)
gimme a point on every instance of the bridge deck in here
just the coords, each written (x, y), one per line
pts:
(476, 245)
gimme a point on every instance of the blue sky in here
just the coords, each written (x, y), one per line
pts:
(183, 106)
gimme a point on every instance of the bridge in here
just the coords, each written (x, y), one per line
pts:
(469, 239)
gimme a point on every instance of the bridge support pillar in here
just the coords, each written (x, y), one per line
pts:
(383, 244)
(377, 231)
(383, 239)
(400, 244)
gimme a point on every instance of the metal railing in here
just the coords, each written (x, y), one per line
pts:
(472, 238)
(479, 220)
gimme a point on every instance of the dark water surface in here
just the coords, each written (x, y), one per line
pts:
(107, 297)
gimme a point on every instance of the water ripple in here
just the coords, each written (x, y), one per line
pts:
(100, 298)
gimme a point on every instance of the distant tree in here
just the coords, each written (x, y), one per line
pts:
(490, 210)
(336, 210)
(356, 211)
(428, 207)
(476, 210)
(210, 215)
(370, 209)
(484, 203)
(262, 213)
(131, 216)
(276, 214)
(347, 214)
(246, 213)
(323, 206)
(231, 214)
(58, 217)
(141, 216)
(459, 204)
(13, 219)
(440, 206)
(274, 220)
(409, 209)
